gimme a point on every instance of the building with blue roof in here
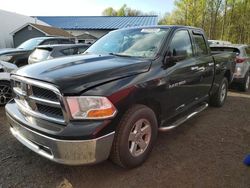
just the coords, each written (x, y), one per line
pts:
(97, 26)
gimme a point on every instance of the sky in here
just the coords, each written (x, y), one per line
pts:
(82, 7)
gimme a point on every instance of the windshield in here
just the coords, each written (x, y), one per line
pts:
(30, 44)
(133, 42)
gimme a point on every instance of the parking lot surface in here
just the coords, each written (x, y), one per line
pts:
(206, 151)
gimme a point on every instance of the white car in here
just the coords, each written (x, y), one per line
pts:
(5, 89)
(211, 42)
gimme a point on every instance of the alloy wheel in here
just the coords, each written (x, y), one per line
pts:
(5, 94)
(223, 92)
(139, 137)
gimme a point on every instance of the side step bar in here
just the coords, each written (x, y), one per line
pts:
(185, 118)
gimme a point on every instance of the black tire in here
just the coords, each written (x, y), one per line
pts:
(245, 85)
(121, 153)
(216, 99)
(5, 92)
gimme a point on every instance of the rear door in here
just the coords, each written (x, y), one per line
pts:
(204, 68)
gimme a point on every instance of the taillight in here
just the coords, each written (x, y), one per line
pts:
(240, 60)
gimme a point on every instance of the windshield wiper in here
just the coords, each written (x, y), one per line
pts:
(85, 53)
(120, 55)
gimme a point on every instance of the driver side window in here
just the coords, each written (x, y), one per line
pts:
(180, 46)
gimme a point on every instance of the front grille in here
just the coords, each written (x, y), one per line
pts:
(44, 93)
(50, 111)
(38, 98)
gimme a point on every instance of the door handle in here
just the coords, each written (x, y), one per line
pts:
(195, 68)
(202, 69)
(198, 68)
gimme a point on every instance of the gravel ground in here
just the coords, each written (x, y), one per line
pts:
(206, 151)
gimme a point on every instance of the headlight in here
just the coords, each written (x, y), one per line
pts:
(87, 107)
(5, 57)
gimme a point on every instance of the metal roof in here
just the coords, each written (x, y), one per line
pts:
(47, 30)
(98, 22)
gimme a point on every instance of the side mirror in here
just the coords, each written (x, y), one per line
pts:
(170, 61)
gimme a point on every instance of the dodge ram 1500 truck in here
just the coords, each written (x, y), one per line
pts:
(111, 101)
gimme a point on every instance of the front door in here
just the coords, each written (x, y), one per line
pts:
(181, 75)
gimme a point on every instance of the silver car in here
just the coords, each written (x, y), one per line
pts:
(46, 52)
(242, 69)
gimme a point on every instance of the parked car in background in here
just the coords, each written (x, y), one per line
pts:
(111, 101)
(19, 56)
(45, 52)
(242, 70)
(211, 42)
(5, 88)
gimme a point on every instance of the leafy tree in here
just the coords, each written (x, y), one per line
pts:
(123, 11)
(109, 12)
(221, 19)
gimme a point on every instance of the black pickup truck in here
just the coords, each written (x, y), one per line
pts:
(111, 101)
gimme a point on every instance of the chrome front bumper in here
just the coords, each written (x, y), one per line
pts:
(70, 152)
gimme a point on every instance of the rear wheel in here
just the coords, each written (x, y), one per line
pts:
(5, 92)
(135, 137)
(218, 99)
(245, 85)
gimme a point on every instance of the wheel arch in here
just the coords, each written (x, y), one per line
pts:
(153, 105)
(228, 75)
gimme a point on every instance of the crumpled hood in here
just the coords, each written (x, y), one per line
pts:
(74, 74)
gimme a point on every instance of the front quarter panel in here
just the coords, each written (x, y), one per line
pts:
(150, 86)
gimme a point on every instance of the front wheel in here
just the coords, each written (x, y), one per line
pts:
(5, 92)
(134, 137)
(218, 99)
